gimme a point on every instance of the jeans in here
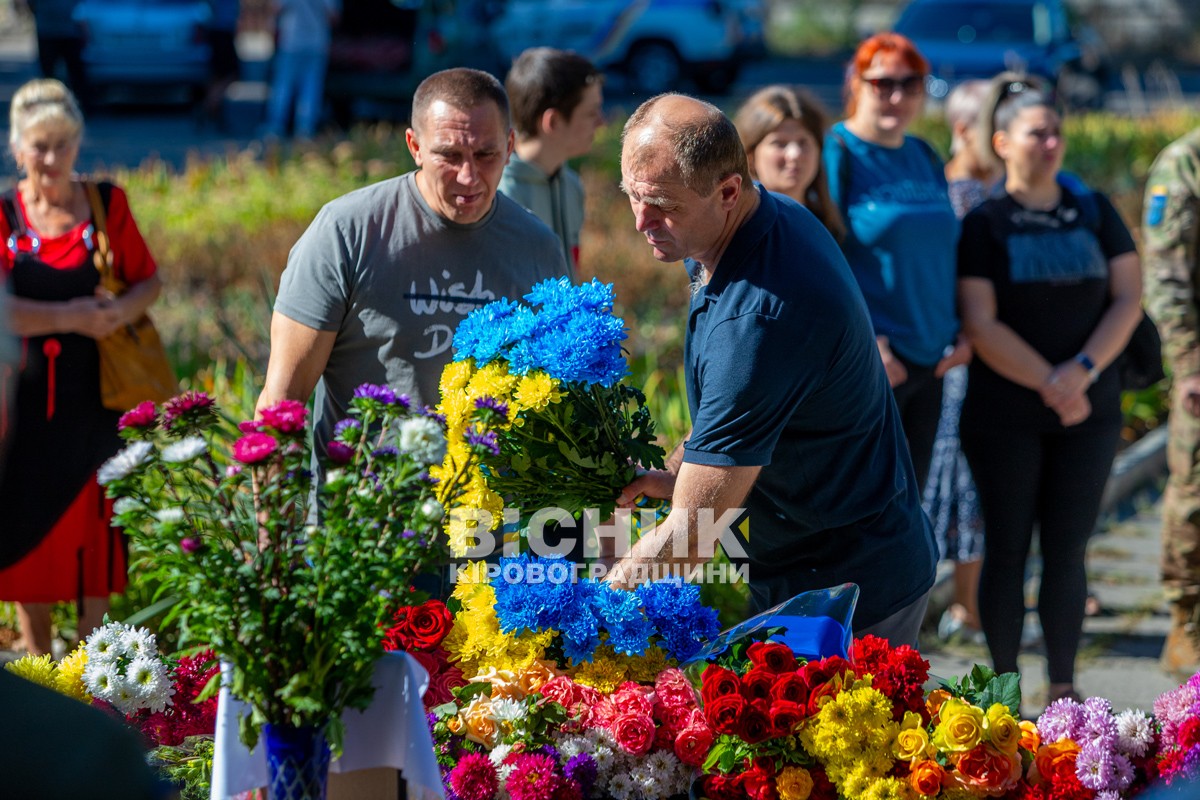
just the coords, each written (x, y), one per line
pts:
(300, 76)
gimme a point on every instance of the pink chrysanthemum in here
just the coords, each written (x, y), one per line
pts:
(254, 447)
(286, 416)
(189, 408)
(474, 778)
(142, 416)
(533, 777)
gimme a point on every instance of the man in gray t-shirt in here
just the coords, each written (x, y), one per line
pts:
(376, 286)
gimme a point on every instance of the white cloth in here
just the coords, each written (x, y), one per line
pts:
(392, 732)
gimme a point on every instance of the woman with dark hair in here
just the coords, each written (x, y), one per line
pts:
(783, 130)
(1050, 291)
(901, 230)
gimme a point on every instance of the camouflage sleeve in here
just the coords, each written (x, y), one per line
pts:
(1169, 234)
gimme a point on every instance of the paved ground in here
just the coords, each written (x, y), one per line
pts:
(1119, 655)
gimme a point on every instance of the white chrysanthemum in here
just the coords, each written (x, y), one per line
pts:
(432, 510)
(169, 516)
(503, 771)
(124, 463)
(123, 505)
(508, 710)
(499, 753)
(146, 677)
(184, 450)
(423, 439)
(101, 678)
(1135, 732)
(605, 761)
(139, 642)
(123, 696)
(571, 746)
(621, 786)
(106, 644)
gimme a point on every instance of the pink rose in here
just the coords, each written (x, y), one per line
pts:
(634, 733)
(440, 686)
(692, 745)
(674, 689)
(254, 447)
(605, 712)
(630, 701)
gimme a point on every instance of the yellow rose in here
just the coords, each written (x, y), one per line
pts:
(479, 722)
(793, 783)
(912, 744)
(1002, 729)
(960, 728)
(456, 725)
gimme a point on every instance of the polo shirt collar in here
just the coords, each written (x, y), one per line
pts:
(743, 242)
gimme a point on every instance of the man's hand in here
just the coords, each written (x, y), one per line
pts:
(655, 483)
(897, 373)
(1188, 390)
(961, 354)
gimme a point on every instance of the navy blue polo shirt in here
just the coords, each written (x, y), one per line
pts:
(783, 373)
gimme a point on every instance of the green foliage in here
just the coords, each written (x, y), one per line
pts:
(982, 687)
(188, 766)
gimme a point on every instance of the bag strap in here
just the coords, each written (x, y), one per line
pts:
(102, 254)
(8, 204)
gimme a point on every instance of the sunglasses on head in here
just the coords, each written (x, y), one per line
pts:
(912, 86)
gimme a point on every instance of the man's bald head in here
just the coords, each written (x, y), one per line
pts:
(694, 136)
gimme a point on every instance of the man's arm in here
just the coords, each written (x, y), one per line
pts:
(697, 486)
(298, 358)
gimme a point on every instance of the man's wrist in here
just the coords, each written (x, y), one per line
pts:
(1083, 360)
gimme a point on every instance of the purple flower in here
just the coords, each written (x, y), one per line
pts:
(189, 408)
(141, 416)
(407, 534)
(349, 424)
(427, 411)
(376, 392)
(386, 451)
(1062, 719)
(189, 544)
(491, 405)
(339, 452)
(483, 441)
(582, 769)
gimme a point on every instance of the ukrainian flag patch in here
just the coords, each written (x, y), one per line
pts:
(1158, 204)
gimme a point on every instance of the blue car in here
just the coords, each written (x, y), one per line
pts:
(979, 38)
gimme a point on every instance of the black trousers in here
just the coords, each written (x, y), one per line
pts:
(920, 402)
(1054, 482)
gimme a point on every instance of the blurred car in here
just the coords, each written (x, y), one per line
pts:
(979, 38)
(141, 42)
(655, 44)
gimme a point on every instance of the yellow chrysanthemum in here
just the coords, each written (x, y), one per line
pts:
(457, 408)
(538, 390)
(888, 789)
(36, 669)
(455, 376)
(601, 673)
(492, 381)
(69, 679)
(645, 668)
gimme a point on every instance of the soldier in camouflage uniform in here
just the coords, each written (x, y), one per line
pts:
(1170, 235)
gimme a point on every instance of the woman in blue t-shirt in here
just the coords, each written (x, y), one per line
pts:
(1050, 291)
(902, 231)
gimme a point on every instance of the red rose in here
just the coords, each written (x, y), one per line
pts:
(441, 684)
(722, 787)
(774, 656)
(718, 681)
(823, 788)
(634, 733)
(724, 712)
(692, 745)
(786, 716)
(428, 624)
(790, 687)
(754, 726)
(759, 780)
(664, 738)
(816, 673)
(1189, 733)
(757, 684)
(820, 693)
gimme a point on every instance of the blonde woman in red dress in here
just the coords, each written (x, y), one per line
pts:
(57, 430)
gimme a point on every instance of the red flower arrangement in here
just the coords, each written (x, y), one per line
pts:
(419, 631)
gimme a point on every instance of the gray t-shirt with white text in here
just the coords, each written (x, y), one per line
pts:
(393, 279)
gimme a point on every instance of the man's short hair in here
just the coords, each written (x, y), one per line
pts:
(543, 78)
(706, 148)
(461, 88)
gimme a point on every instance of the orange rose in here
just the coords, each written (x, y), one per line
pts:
(535, 676)
(1056, 759)
(985, 769)
(933, 703)
(504, 683)
(927, 777)
(456, 725)
(1030, 739)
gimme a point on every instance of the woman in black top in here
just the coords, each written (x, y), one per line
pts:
(1050, 291)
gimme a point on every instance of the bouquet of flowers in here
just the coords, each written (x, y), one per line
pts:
(536, 410)
(572, 688)
(1178, 714)
(292, 599)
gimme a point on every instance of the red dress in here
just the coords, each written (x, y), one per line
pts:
(56, 405)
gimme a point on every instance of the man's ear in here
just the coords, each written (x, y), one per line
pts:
(730, 189)
(551, 118)
(414, 145)
(512, 144)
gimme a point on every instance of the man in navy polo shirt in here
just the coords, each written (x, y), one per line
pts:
(792, 417)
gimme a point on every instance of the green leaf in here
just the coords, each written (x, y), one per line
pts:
(1004, 689)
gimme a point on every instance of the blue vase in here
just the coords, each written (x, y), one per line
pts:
(297, 762)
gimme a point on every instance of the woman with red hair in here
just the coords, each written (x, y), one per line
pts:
(901, 231)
